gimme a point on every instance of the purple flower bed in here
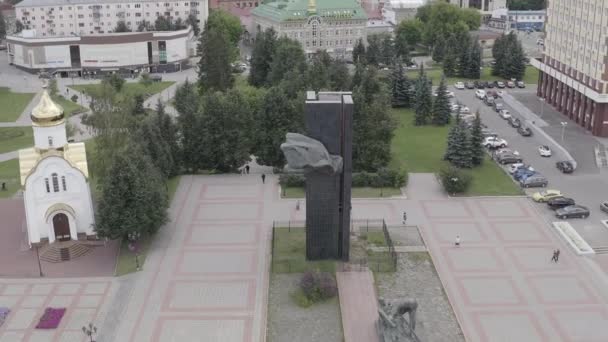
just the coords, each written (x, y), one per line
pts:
(51, 318)
(3, 314)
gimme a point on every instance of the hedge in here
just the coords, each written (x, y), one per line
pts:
(384, 178)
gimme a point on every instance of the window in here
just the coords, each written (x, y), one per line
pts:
(63, 184)
(46, 183)
(55, 182)
(50, 141)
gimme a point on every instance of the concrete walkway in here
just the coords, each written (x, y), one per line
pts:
(358, 305)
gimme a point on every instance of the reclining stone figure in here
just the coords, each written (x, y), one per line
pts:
(306, 155)
(392, 324)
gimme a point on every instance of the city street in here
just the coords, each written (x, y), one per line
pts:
(587, 185)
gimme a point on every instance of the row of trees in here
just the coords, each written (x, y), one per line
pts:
(464, 61)
(382, 49)
(464, 145)
(509, 57)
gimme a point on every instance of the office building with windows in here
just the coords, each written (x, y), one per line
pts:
(574, 65)
(484, 6)
(57, 18)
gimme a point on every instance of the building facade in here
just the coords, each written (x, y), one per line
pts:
(331, 25)
(574, 66)
(57, 18)
(484, 6)
(396, 11)
(54, 177)
(517, 20)
(143, 51)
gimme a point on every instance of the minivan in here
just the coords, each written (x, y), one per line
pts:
(534, 181)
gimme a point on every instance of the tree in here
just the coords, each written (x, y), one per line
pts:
(225, 22)
(138, 107)
(132, 198)
(423, 99)
(477, 152)
(318, 72)
(339, 77)
(449, 63)
(454, 180)
(115, 81)
(471, 17)
(387, 51)
(399, 87)
(277, 115)
(144, 26)
(441, 19)
(150, 138)
(163, 23)
(2, 26)
(441, 105)
(215, 65)
(18, 26)
(261, 57)
(458, 152)
(225, 124)
(288, 55)
(463, 61)
(169, 135)
(53, 90)
(402, 49)
(192, 21)
(474, 69)
(373, 53)
(439, 49)
(187, 106)
(121, 26)
(450, 145)
(509, 57)
(359, 52)
(409, 31)
(145, 80)
(373, 126)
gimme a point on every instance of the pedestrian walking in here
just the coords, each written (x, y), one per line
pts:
(404, 217)
(263, 178)
(554, 257)
(457, 242)
(247, 169)
(557, 255)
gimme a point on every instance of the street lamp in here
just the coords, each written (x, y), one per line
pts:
(564, 124)
(89, 331)
(542, 106)
(133, 237)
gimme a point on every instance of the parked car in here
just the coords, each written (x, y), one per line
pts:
(489, 101)
(500, 84)
(544, 151)
(519, 166)
(480, 94)
(469, 85)
(510, 84)
(523, 174)
(514, 122)
(156, 78)
(447, 93)
(506, 150)
(504, 113)
(508, 158)
(498, 106)
(544, 196)
(479, 85)
(494, 142)
(572, 211)
(520, 84)
(488, 133)
(534, 181)
(500, 93)
(491, 93)
(524, 131)
(485, 84)
(564, 166)
(560, 202)
(491, 84)
(459, 85)
(604, 206)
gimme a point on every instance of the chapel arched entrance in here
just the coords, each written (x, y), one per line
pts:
(61, 226)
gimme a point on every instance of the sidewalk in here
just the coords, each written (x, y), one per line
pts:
(359, 306)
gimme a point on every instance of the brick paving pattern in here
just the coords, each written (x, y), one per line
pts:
(358, 305)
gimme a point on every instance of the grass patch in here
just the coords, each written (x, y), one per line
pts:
(289, 253)
(172, 184)
(9, 174)
(530, 77)
(376, 238)
(15, 138)
(69, 107)
(419, 256)
(129, 90)
(362, 192)
(126, 259)
(13, 104)
(421, 149)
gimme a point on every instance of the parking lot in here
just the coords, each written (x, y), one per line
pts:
(587, 185)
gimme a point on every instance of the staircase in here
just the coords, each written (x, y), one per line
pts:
(64, 250)
(601, 249)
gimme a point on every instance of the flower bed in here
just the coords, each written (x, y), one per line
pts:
(3, 315)
(51, 318)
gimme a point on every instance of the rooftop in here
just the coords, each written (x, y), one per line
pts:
(299, 9)
(38, 3)
(73, 153)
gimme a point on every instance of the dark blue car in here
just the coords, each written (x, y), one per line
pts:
(522, 174)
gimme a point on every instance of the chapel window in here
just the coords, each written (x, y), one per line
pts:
(46, 183)
(63, 184)
(55, 182)
(50, 141)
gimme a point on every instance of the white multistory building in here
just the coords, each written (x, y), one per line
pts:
(485, 7)
(50, 18)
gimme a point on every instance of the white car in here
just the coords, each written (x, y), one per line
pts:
(507, 150)
(504, 113)
(480, 94)
(447, 93)
(544, 151)
(459, 85)
(500, 93)
(494, 142)
(516, 166)
(463, 109)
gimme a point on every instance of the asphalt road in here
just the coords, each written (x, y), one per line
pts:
(588, 185)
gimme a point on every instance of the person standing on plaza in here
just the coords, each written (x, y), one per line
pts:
(404, 217)
(554, 257)
(557, 255)
(457, 242)
(247, 169)
(263, 178)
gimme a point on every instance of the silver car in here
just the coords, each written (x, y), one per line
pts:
(534, 181)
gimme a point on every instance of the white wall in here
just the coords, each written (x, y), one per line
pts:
(42, 134)
(114, 55)
(177, 49)
(38, 201)
(56, 56)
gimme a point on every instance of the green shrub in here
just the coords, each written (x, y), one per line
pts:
(384, 178)
(74, 98)
(316, 287)
(454, 180)
(292, 180)
(301, 299)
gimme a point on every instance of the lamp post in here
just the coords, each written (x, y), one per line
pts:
(90, 331)
(564, 124)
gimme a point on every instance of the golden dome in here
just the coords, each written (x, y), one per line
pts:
(47, 112)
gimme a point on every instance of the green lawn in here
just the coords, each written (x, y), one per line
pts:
(363, 192)
(530, 77)
(15, 138)
(13, 104)
(420, 149)
(129, 89)
(9, 174)
(69, 107)
(289, 253)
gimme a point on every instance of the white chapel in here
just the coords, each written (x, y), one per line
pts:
(54, 177)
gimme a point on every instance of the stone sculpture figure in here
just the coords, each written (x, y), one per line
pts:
(307, 155)
(391, 325)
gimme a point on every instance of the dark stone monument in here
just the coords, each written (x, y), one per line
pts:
(328, 117)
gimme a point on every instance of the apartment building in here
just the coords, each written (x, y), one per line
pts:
(574, 66)
(59, 18)
(484, 6)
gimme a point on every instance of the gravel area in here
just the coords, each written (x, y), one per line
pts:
(416, 277)
(288, 322)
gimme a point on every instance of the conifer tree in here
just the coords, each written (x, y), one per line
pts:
(399, 84)
(474, 71)
(359, 52)
(477, 151)
(461, 156)
(449, 63)
(451, 140)
(423, 101)
(441, 105)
